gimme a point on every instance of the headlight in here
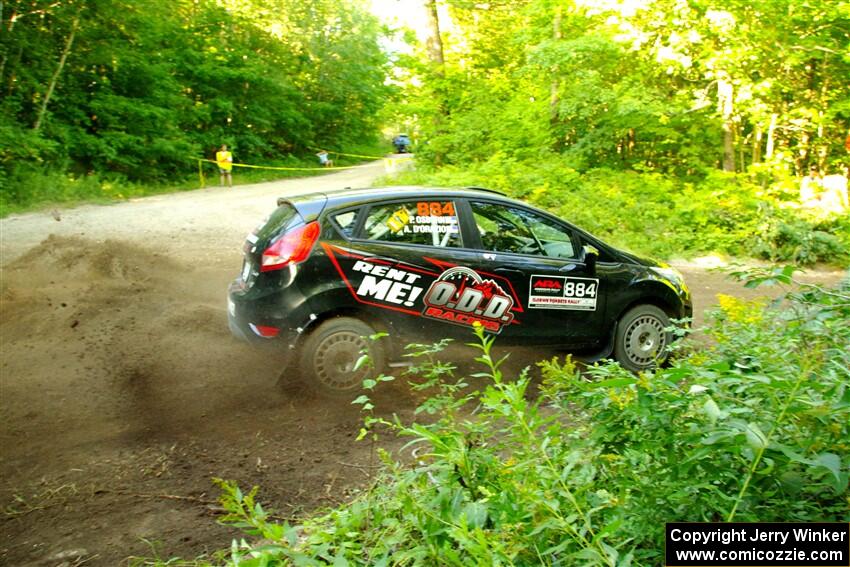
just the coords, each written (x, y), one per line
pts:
(674, 277)
(671, 274)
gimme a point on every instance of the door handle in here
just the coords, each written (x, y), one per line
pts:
(568, 268)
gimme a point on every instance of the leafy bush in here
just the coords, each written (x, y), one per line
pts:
(753, 428)
(659, 215)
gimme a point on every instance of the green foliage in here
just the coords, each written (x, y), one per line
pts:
(670, 86)
(753, 428)
(148, 85)
(659, 215)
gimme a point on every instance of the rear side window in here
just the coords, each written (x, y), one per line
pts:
(429, 223)
(347, 222)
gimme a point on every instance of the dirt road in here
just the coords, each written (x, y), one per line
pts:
(122, 393)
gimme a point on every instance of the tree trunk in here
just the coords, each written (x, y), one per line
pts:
(801, 156)
(554, 88)
(742, 166)
(771, 140)
(434, 48)
(433, 42)
(725, 103)
(55, 78)
(554, 100)
(757, 144)
(8, 31)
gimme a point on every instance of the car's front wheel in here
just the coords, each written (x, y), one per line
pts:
(330, 354)
(642, 338)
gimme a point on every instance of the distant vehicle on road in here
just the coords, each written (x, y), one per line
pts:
(327, 270)
(402, 144)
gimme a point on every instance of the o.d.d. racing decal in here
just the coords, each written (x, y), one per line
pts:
(455, 294)
(461, 296)
(559, 292)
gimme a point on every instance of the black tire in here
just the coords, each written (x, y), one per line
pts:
(330, 353)
(641, 340)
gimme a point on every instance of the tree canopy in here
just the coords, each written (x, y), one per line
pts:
(140, 87)
(664, 85)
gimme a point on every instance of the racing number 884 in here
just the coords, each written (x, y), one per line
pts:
(435, 209)
(579, 289)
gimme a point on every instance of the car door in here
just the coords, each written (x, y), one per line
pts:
(407, 262)
(563, 300)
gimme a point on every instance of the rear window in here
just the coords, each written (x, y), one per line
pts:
(283, 217)
(429, 223)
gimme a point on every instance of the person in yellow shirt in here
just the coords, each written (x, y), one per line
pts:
(225, 165)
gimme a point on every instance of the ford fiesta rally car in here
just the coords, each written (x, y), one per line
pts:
(326, 270)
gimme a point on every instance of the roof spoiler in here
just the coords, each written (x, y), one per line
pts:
(309, 208)
(487, 190)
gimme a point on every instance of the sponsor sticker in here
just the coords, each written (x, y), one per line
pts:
(560, 292)
(390, 283)
(461, 296)
(398, 220)
(452, 294)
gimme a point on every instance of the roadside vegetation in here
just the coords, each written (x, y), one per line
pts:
(673, 129)
(116, 98)
(664, 216)
(588, 469)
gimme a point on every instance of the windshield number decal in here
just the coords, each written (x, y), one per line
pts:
(435, 209)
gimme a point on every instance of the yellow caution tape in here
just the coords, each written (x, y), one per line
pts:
(280, 168)
(348, 155)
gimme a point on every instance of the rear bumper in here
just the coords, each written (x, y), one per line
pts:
(251, 319)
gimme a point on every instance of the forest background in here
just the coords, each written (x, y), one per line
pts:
(669, 127)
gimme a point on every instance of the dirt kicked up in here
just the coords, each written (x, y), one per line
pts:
(122, 393)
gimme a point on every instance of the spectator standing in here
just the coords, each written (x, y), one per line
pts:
(224, 159)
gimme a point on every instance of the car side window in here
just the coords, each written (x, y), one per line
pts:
(347, 222)
(424, 222)
(519, 231)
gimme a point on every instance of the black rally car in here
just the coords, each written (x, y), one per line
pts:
(326, 270)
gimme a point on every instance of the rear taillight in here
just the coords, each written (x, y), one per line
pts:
(291, 248)
(264, 331)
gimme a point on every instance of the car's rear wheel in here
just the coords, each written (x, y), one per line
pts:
(331, 352)
(641, 340)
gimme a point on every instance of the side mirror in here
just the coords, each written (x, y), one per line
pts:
(591, 254)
